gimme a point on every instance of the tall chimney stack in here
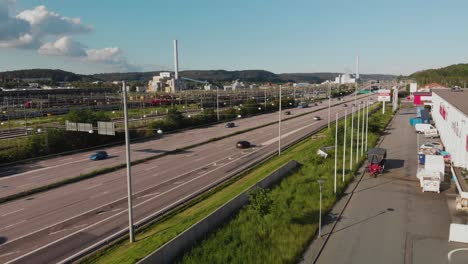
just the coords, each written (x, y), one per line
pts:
(357, 67)
(176, 61)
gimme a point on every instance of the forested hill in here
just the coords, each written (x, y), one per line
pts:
(456, 74)
(203, 75)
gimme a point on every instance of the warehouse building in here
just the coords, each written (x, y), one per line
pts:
(450, 114)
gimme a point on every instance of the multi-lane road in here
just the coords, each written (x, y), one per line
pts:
(54, 225)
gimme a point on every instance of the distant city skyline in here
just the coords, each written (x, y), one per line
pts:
(390, 37)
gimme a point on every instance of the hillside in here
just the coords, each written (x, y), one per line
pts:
(456, 74)
(54, 75)
(204, 75)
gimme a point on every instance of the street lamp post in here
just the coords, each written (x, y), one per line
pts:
(336, 148)
(129, 174)
(217, 103)
(320, 182)
(329, 103)
(352, 134)
(344, 144)
(279, 123)
(357, 133)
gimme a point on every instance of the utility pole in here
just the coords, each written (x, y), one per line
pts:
(129, 173)
(344, 144)
(352, 133)
(336, 148)
(265, 105)
(279, 124)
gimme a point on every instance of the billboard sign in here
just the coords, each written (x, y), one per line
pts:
(413, 87)
(106, 128)
(384, 95)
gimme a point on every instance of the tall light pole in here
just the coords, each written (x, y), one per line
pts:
(357, 134)
(362, 129)
(279, 123)
(329, 103)
(352, 134)
(129, 173)
(367, 124)
(320, 182)
(344, 144)
(217, 104)
(265, 106)
(336, 148)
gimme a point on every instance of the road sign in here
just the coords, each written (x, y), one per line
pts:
(84, 127)
(106, 128)
(384, 96)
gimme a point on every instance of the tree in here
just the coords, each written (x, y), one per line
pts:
(260, 201)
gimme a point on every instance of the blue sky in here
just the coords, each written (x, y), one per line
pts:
(396, 37)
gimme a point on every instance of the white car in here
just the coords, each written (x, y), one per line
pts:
(432, 145)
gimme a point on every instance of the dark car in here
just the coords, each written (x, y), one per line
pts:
(229, 125)
(287, 113)
(316, 118)
(345, 105)
(243, 144)
(99, 155)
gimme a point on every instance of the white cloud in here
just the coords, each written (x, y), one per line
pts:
(44, 22)
(64, 46)
(31, 28)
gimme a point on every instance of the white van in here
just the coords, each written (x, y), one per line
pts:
(421, 128)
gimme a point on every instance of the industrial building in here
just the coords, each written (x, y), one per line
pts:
(167, 82)
(450, 114)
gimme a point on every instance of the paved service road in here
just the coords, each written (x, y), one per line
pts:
(24, 177)
(389, 219)
(53, 225)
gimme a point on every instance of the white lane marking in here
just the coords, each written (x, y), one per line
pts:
(67, 229)
(12, 225)
(9, 253)
(273, 140)
(41, 169)
(98, 195)
(151, 168)
(31, 183)
(65, 159)
(148, 195)
(94, 186)
(37, 176)
(19, 210)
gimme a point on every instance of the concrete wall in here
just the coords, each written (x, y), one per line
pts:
(169, 251)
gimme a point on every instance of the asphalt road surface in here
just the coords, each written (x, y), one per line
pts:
(53, 225)
(23, 177)
(389, 219)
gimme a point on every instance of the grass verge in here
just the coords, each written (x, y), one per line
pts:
(299, 221)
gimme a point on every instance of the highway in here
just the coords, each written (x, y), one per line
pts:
(23, 177)
(53, 225)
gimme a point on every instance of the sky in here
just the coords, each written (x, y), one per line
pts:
(90, 36)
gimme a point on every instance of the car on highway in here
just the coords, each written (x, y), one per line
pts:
(316, 118)
(345, 105)
(242, 144)
(99, 155)
(230, 125)
(287, 113)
